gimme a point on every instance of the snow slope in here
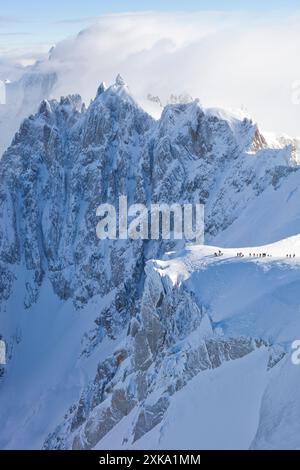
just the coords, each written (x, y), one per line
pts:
(48, 372)
(273, 215)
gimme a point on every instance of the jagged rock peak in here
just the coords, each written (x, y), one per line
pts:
(74, 101)
(117, 92)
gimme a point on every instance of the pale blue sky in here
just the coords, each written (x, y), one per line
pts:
(30, 22)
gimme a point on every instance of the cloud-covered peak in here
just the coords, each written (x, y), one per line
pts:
(229, 60)
(120, 80)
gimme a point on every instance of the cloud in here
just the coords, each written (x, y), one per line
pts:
(139, 45)
(10, 19)
(227, 59)
(88, 19)
(15, 61)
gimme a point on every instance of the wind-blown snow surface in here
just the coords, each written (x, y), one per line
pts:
(107, 348)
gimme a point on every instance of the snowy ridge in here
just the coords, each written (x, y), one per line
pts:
(186, 336)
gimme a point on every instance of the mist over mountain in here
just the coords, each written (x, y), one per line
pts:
(229, 59)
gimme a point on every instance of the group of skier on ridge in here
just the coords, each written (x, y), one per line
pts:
(219, 253)
(254, 255)
(260, 255)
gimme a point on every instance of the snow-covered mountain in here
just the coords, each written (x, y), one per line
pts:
(123, 343)
(22, 98)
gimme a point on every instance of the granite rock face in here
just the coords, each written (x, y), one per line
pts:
(168, 343)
